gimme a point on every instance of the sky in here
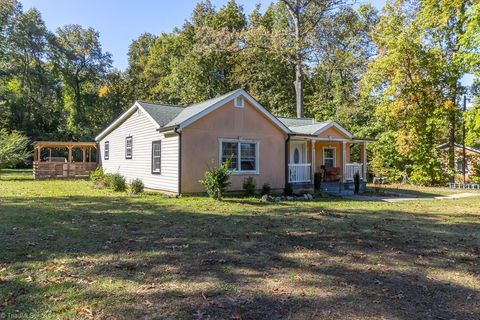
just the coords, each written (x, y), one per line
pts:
(121, 21)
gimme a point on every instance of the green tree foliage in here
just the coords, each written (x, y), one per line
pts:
(13, 148)
(450, 29)
(404, 78)
(82, 65)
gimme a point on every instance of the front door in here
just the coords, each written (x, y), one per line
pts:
(298, 152)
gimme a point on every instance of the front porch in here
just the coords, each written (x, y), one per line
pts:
(336, 161)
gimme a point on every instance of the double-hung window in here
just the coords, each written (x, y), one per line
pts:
(156, 157)
(329, 157)
(243, 155)
(106, 153)
(128, 147)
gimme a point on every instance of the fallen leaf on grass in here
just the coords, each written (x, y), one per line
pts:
(86, 312)
(148, 303)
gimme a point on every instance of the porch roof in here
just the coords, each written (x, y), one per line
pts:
(64, 144)
(310, 137)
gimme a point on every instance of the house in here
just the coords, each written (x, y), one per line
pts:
(170, 147)
(472, 156)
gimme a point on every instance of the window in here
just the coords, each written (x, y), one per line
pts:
(243, 155)
(239, 102)
(128, 147)
(329, 157)
(460, 165)
(106, 154)
(156, 157)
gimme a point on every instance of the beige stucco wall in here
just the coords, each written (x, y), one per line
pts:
(200, 146)
(333, 133)
(319, 145)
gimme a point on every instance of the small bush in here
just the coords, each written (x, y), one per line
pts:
(266, 189)
(136, 186)
(97, 174)
(288, 190)
(216, 180)
(249, 186)
(117, 182)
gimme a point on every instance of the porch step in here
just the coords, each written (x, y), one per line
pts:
(302, 188)
(340, 188)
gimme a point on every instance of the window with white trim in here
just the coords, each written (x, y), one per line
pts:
(329, 157)
(128, 147)
(239, 102)
(243, 155)
(106, 152)
(156, 157)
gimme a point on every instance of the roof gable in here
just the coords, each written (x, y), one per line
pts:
(197, 111)
(158, 114)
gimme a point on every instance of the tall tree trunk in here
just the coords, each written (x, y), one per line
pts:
(298, 66)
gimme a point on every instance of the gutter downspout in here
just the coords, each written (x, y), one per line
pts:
(286, 159)
(179, 159)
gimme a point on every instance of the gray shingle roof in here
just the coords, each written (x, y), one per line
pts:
(193, 110)
(170, 115)
(295, 122)
(161, 113)
(311, 128)
(303, 125)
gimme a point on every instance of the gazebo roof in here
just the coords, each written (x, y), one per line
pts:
(63, 144)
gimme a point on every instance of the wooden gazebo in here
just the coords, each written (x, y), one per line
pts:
(68, 166)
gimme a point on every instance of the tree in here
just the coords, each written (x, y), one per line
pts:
(27, 87)
(404, 79)
(450, 28)
(13, 148)
(306, 16)
(342, 50)
(82, 65)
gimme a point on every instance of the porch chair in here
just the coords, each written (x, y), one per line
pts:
(332, 174)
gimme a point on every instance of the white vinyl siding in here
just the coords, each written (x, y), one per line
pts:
(143, 132)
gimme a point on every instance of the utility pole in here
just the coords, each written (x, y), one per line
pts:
(464, 160)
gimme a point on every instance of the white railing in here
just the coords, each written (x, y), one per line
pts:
(351, 169)
(299, 172)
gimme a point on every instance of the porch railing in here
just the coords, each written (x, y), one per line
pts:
(299, 172)
(351, 169)
(43, 170)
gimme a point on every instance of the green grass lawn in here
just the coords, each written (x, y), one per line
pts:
(69, 251)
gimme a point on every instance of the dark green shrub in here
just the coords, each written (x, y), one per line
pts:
(117, 182)
(136, 186)
(249, 186)
(288, 190)
(216, 180)
(266, 189)
(356, 182)
(317, 180)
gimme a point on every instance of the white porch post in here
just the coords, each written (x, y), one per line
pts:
(364, 160)
(344, 159)
(313, 160)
